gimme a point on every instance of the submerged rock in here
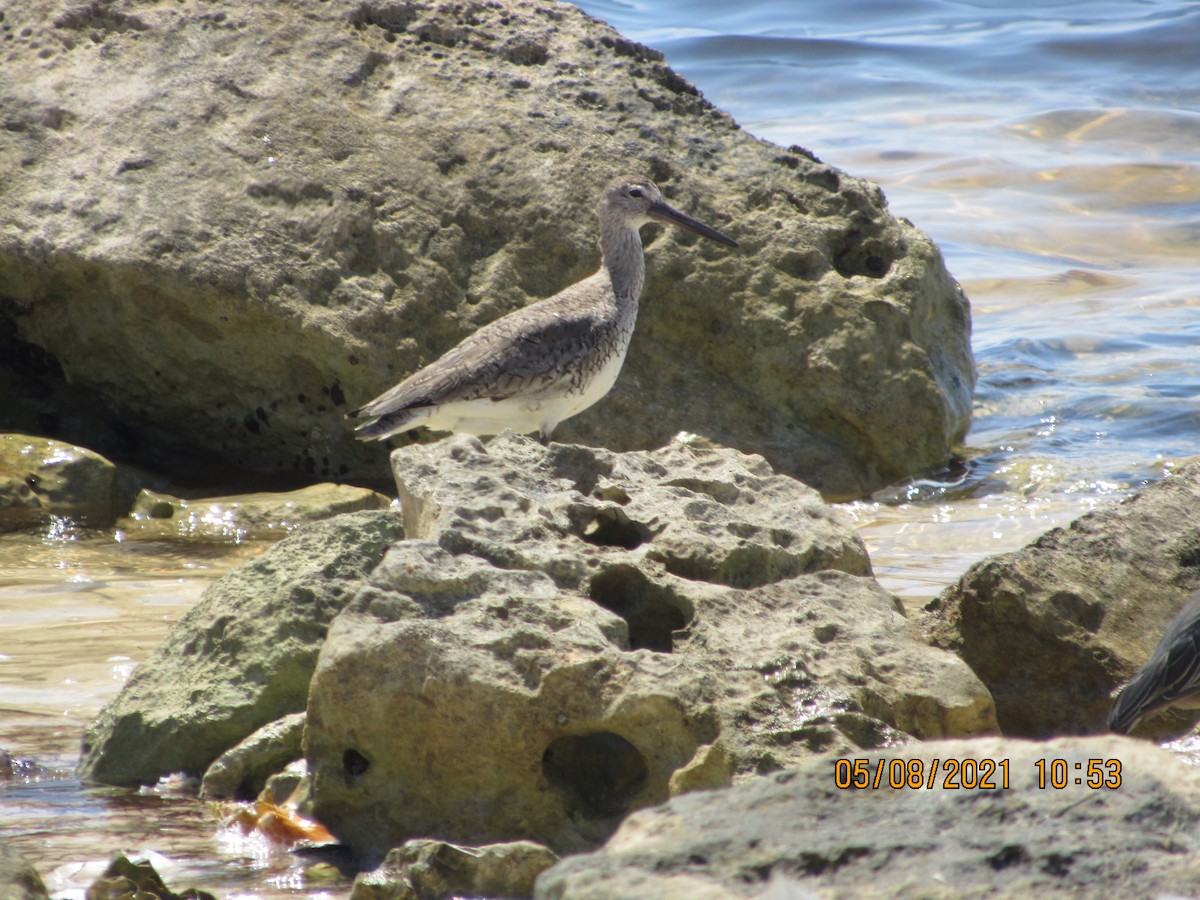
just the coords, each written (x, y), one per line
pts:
(242, 657)
(242, 517)
(802, 833)
(43, 479)
(390, 177)
(582, 633)
(1052, 629)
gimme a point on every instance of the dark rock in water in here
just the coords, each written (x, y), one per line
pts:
(1055, 627)
(435, 870)
(802, 833)
(18, 879)
(240, 659)
(208, 249)
(136, 879)
(580, 633)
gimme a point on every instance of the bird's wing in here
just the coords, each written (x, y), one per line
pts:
(495, 362)
(1172, 673)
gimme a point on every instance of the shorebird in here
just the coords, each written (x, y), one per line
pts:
(546, 362)
(1170, 678)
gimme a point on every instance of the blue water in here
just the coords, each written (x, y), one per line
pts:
(1053, 152)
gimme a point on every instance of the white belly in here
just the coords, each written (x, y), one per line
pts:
(524, 414)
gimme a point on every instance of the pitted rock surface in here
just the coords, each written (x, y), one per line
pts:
(570, 634)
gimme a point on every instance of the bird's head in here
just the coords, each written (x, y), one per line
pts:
(637, 201)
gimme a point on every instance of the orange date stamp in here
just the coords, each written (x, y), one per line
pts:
(970, 774)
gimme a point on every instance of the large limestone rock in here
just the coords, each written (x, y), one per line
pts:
(230, 225)
(239, 659)
(1053, 628)
(797, 834)
(578, 633)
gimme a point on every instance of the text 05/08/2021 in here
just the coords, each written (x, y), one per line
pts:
(971, 774)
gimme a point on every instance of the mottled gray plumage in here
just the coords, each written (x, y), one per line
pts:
(1170, 678)
(544, 363)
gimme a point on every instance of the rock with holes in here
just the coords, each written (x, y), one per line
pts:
(988, 817)
(702, 515)
(1052, 629)
(389, 177)
(241, 658)
(570, 634)
(461, 701)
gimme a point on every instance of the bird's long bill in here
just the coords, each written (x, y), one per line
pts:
(669, 214)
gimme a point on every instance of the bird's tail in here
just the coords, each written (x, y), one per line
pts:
(378, 428)
(1138, 699)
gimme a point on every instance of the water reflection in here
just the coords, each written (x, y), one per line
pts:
(180, 836)
(81, 609)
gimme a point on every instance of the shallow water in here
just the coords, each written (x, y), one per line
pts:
(81, 609)
(1053, 152)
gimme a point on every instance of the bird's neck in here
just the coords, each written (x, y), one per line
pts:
(621, 256)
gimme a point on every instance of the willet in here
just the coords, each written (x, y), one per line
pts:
(546, 362)
(1171, 677)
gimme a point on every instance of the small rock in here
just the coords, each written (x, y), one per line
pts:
(136, 879)
(436, 870)
(289, 785)
(19, 880)
(241, 658)
(41, 479)
(242, 771)
(1055, 627)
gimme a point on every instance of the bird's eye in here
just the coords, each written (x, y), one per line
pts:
(635, 192)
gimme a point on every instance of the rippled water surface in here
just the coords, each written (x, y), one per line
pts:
(1051, 149)
(80, 610)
